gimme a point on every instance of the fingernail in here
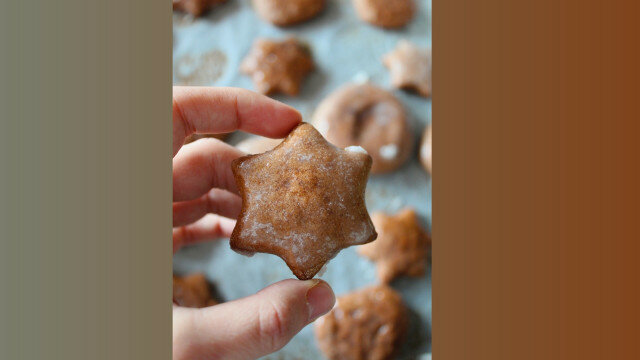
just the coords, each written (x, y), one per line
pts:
(320, 299)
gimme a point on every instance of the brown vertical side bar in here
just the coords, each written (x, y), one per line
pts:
(536, 180)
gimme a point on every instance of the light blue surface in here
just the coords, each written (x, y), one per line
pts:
(344, 48)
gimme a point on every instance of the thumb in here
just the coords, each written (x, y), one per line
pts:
(253, 326)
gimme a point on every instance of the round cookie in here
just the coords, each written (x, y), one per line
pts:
(370, 117)
(257, 144)
(195, 7)
(385, 13)
(425, 148)
(365, 324)
(287, 12)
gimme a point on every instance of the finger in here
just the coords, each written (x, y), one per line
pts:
(208, 228)
(222, 110)
(216, 201)
(202, 165)
(253, 326)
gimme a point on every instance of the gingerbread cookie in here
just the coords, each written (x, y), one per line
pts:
(195, 7)
(257, 144)
(366, 324)
(367, 116)
(410, 68)
(192, 291)
(278, 66)
(302, 201)
(401, 247)
(287, 12)
(425, 149)
(385, 13)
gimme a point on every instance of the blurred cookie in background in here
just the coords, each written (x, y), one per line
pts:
(287, 12)
(410, 68)
(278, 66)
(367, 116)
(199, 69)
(366, 324)
(195, 7)
(385, 13)
(192, 291)
(401, 247)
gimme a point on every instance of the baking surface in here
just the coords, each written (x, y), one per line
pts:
(208, 51)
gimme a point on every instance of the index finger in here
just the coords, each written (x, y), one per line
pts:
(214, 110)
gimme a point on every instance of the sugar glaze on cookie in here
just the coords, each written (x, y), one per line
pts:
(370, 117)
(302, 201)
(366, 324)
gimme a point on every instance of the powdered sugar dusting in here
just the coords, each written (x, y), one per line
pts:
(358, 149)
(303, 201)
(361, 236)
(383, 112)
(389, 151)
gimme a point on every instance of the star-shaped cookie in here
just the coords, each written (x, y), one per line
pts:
(302, 201)
(278, 66)
(401, 247)
(410, 68)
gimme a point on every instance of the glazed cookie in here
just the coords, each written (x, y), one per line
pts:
(257, 144)
(366, 324)
(401, 247)
(287, 12)
(195, 7)
(385, 13)
(425, 149)
(302, 201)
(410, 68)
(192, 291)
(367, 116)
(278, 66)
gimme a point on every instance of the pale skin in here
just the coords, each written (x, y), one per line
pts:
(205, 204)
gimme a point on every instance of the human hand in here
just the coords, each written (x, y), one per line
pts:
(205, 201)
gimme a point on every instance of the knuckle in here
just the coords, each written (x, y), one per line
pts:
(212, 202)
(273, 325)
